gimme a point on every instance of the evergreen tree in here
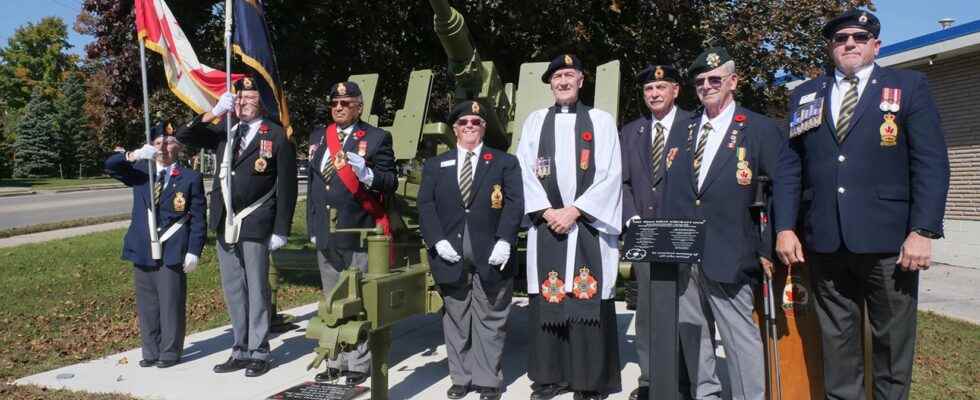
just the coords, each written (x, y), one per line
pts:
(36, 146)
(76, 147)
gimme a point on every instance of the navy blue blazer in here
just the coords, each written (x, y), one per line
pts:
(862, 195)
(378, 155)
(442, 214)
(642, 192)
(248, 183)
(733, 241)
(187, 185)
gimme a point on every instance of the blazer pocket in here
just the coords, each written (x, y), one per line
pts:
(892, 192)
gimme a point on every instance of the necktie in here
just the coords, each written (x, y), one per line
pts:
(847, 109)
(699, 151)
(466, 179)
(158, 186)
(658, 148)
(241, 134)
(328, 169)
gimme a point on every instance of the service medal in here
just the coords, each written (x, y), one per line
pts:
(744, 176)
(889, 131)
(260, 165)
(265, 149)
(585, 286)
(553, 289)
(671, 155)
(795, 296)
(180, 204)
(542, 167)
(583, 159)
(891, 99)
(497, 198)
(362, 148)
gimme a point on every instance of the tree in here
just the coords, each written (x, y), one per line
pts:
(35, 58)
(77, 151)
(36, 148)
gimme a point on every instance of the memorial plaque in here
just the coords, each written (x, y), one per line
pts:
(664, 240)
(319, 391)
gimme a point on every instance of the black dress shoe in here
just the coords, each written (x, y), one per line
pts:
(355, 378)
(489, 393)
(147, 363)
(458, 391)
(166, 363)
(231, 365)
(330, 375)
(587, 396)
(640, 393)
(256, 368)
(546, 392)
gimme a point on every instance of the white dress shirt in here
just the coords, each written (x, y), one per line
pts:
(841, 87)
(461, 159)
(326, 152)
(667, 122)
(253, 127)
(719, 128)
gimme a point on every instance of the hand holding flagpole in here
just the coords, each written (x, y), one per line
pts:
(155, 248)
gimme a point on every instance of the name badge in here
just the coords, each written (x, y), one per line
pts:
(447, 163)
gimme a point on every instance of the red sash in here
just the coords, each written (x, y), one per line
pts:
(346, 174)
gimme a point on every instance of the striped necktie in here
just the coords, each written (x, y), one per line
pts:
(466, 179)
(699, 151)
(658, 148)
(328, 170)
(847, 109)
(158, 186)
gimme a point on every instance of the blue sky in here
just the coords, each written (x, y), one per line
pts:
(900, 19)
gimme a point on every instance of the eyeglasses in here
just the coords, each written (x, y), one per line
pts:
(343, 103)
(714, 81)
(859, 37)
(469, 121)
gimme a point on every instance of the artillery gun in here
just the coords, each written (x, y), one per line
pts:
(363, 307)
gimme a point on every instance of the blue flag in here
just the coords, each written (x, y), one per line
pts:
(251, 42)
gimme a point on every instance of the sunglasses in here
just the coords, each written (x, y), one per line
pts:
(342, 103)
(714, 81)
(469, 121)
(859, 37)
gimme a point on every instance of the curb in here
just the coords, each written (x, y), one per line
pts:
(86, 188)
(15, 193)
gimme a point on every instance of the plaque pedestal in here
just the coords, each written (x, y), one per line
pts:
(664, 355)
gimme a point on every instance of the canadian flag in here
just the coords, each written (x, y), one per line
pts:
(196, 84)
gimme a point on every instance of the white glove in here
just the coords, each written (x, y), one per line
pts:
(446, 251)
(500, 254)
(313, 240)
(632, 220)
(225, 102)
(147, 152)
(190, 263)
(364, 174)
(276, 241)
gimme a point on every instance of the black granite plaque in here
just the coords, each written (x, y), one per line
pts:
(319, 391)
(664, 240)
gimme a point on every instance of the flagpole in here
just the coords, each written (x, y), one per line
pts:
(155, 248)
(231, 231)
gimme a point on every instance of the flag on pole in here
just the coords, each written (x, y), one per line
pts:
(251, 42)
(196, 84)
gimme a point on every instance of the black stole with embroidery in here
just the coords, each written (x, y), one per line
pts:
(583, 303)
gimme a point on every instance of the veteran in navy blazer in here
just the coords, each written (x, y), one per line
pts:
(352, 171)
(177, 197)
(713, 179)
(875, 178)
(470, 208)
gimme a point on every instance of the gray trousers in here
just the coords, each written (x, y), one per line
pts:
(696, 344)
(332, 262)
(475, 330)
(845, 281)
(245, 281)
(731, 309)
(161, 301)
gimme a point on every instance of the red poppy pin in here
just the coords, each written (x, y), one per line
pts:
(487, 156)
(175, 171)
(740, 118)
(359, 134)
(263, 129)
(587, 136)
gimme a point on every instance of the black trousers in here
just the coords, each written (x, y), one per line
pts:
(584, 356)
(844, 281)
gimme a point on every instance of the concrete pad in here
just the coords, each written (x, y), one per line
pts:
(952, 291)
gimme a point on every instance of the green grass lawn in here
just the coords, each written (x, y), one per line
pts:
(71, 300)
(55, 183)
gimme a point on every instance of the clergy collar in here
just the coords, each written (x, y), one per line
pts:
(560, 109)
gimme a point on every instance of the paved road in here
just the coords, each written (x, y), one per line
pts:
(47, 206)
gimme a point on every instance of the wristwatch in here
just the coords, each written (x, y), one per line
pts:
(927, 233)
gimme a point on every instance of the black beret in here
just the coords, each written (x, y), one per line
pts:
(161, 128)
(854, 18)
(345, 89)
(561, 62)
(709, 59)
(247, 82)
(658, 72)
(467, 107)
